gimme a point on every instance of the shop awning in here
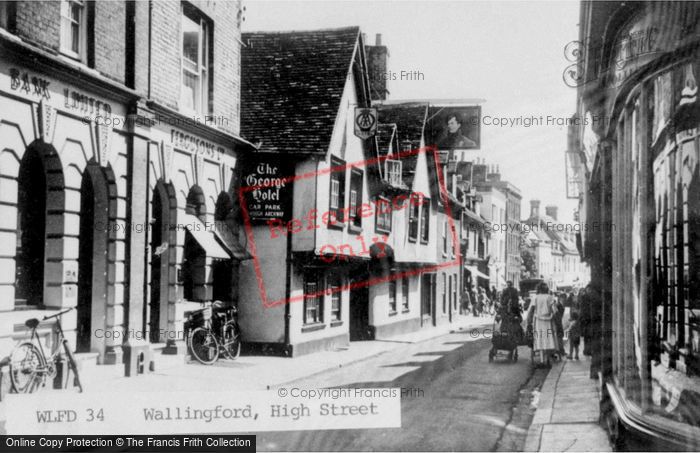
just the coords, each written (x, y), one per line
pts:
(204, 237)
(230, 242)
(476, 273)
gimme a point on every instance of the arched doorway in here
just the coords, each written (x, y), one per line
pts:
(194, 256)
(31, 230)
(222, 278)
(92, 259)
(162, 207)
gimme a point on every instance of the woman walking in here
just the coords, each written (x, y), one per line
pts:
(544, 330)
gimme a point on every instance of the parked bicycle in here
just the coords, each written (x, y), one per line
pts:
(29, 366)
(213, 331)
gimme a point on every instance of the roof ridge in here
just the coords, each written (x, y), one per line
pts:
(281, 32)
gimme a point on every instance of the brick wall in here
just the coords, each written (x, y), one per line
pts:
(141, 48)
(110, 39)
(165, 58)
(40, 23)
(165, 53)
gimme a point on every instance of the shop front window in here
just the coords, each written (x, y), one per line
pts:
(656, 250)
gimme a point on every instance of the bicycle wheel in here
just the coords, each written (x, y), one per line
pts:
(203, 346)
(231, 338)
(26, 368)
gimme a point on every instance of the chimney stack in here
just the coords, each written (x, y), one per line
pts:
(377, 57)
(534, 208)
(551, 211)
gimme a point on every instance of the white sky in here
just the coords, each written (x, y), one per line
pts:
(510, 53)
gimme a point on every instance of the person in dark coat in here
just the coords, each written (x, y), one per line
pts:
(589, 318)
(510, 295)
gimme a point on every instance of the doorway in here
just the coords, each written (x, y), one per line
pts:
(155, 314)
(427, 295)
(359, 309)
(92, 259)
(31, 231)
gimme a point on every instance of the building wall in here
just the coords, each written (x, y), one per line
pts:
(513, 237)
(40, 23)
(165, 57)
(494, 198)
(68, 144)
(64, 116)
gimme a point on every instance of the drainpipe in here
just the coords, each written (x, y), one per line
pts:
(288, 293)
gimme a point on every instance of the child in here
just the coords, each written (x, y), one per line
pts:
(574, 333)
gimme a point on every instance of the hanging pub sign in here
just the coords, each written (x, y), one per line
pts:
(365, 122)
(267, 188)
(454, 127)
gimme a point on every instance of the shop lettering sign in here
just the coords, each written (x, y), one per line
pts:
(29, 84)
(195, 145)
(267, 192)
(34, 85)
(86, 105)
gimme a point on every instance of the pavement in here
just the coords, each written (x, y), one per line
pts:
(178, 373)
(567, 412)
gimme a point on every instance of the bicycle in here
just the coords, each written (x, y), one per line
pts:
(29, 366)
(214, 331)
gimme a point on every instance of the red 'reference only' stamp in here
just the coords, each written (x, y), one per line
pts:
(269, 186)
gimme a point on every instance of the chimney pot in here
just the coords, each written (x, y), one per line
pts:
(534, 208)
(378, 41)
(551, 211)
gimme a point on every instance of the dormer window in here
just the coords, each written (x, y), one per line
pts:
(392, 171)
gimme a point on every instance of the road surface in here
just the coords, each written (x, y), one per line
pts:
(455, 400)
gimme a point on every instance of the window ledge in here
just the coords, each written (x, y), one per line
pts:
(381, 230)
(354, 229)
(405, 310)
(337, 323)
(335, 225)
(313, 327)
(424, 242)
(410, 239)
(393, 313)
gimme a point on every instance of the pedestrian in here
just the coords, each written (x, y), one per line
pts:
(574, 335)
(466, 301)
(509, 295)
(559, 326)
(544, 331)
(591, 321)
(481, 301)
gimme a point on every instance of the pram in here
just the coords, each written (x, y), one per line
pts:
(507, 336)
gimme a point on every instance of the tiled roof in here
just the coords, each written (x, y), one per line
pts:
(291, 85)
(410, 123)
